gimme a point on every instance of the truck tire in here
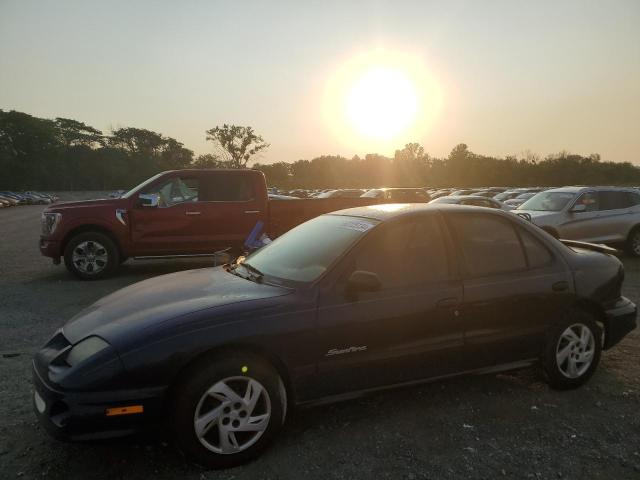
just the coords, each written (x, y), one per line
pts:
(91, 256)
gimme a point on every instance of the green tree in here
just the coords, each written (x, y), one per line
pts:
(73, 133)
(236, 145)
(207, 160)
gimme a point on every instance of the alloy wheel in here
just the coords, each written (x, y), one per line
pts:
(575, 350)
(232, 415)
(90, 257)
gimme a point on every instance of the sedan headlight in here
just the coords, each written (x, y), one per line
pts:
(50, 222)
(85, 349)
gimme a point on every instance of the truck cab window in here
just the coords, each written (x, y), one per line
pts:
(176, 190)
(227, 188)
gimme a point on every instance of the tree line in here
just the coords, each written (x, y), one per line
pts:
(66, 154)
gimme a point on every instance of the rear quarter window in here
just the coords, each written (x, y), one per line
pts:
(538, 256)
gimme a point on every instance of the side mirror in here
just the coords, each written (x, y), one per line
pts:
(361, 281)
(149, 199)
(578, 208)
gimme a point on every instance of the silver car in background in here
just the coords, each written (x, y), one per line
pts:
(609, 215)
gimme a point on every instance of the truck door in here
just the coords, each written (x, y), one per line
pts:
(230, 206)
(169, 228)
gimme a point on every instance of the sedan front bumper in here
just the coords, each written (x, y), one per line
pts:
(83, 415)
(620, 320)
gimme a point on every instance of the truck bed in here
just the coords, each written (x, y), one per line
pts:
(286, 214)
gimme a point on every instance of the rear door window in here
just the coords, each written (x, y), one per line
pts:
(232, 187)
(489, 244)
(612, 200)
(538, 256)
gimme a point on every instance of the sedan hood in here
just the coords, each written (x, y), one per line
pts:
(151, 302)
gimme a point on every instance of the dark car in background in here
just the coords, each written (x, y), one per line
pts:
(474, 200)
(398, 195)
(346, 303)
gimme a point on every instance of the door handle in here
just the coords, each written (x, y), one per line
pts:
(252, 211)
(447, 302)
(560, 286)
(192, 213)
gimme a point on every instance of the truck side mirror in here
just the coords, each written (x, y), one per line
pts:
(581, 207)
(149, 199)
(362, 281)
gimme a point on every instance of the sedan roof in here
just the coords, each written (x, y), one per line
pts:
(387, 211)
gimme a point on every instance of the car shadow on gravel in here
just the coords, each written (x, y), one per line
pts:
(313, 430)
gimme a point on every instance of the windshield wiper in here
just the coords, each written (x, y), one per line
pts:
(257, 274)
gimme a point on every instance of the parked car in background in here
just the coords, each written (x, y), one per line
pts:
(440, 193)
(358, 300)
(9, 201)
(473, 200)
(342, 193)
(519, 200)
(398, 195)
(21, 199)
(609, 215)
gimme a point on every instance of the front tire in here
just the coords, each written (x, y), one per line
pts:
(573, 351)
(91, 256)
(227, 410)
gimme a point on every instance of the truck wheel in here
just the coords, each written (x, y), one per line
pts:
(226, 411)
(633, 242)
(573, 351)
(91, 256)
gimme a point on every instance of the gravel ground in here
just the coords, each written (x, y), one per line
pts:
(494, 426)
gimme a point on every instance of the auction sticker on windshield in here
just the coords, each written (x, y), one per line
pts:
(360, 226)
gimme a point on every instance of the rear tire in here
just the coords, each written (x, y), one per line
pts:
(573, 350)
(91, 256)
(227, 410)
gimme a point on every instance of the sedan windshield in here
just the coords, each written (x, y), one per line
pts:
(303, 254)
(548, 201)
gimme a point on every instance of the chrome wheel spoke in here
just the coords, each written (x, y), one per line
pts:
(208, 420)
(228, 441)
(564, 354)
(224, 393)
(252, 395)
(255, 424)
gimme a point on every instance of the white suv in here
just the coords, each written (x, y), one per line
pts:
(608, 215)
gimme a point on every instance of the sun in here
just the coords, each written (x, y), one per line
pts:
(380, 100)
(381, 103)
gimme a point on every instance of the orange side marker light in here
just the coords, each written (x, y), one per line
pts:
(131, 409)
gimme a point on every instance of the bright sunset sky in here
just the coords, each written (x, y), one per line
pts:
(344, 77)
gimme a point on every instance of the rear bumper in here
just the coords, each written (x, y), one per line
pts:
(620, 320)
(82, 415)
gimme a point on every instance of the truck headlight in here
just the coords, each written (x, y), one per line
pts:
(50, 222)
(85, 349)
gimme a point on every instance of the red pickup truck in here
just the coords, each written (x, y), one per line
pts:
(175, 213)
